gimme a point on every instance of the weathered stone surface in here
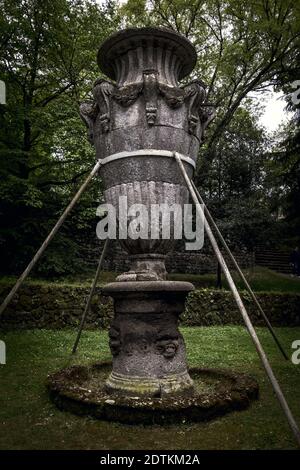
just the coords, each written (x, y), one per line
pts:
(136, 125)
(81, 389)
(176, 261)
(115, 47)
(148, 193)
(146, 110)
(142, 265)
(147, 347)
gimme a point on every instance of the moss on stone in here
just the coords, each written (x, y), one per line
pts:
(81, 390)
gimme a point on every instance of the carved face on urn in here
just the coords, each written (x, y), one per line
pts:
(136, 340)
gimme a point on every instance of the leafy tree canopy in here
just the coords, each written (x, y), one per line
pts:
(48, 62)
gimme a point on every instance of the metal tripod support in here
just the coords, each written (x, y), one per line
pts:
(240, 272)
(220, 258)
(265, 362)
(92, 291)
(44, 245)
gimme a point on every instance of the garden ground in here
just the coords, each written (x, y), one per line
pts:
(261, 280)
(30, 421)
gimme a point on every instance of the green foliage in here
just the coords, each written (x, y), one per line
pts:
(243, 47)
(48, 52)
(135, 13)
(284, 179)
(234, 182)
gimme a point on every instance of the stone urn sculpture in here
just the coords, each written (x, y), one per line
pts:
(138, 119)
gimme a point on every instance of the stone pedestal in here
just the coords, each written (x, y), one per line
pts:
(136, 122)
(147, 348)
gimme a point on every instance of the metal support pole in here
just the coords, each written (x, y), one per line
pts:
(241, 274)
(265, 362)
(88, 303)
(48, 239)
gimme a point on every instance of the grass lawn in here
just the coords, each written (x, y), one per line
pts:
(261, 280)
(30, 421)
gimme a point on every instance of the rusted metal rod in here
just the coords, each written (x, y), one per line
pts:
(241, 274)
(265, 362)
(92, 291)
(48, 239)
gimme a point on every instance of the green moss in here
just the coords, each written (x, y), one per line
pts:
(81, 389)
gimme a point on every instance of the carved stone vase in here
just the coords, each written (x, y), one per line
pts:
(137, 120)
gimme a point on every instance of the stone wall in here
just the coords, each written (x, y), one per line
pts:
(61, 306)
(178, 261)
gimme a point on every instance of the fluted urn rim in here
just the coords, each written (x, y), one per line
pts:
(124, 40)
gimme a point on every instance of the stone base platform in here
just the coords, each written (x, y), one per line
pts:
(81, 390)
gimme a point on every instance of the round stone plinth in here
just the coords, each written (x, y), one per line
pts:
(81, 390)
(172, 384)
